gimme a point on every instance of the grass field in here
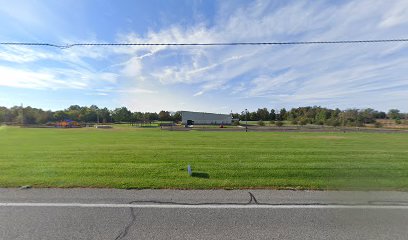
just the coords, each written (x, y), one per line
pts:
(153, 158)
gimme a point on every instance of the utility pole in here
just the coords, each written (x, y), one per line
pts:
(22, 114)
(246, 120)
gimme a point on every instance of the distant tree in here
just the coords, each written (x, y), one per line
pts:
(336, 113)
(121, 115)
(3, 114)
(272, 115)
(138, 117)
(333, 121)
(253, 116)
(301, 115)
(42, 117)
(322, 114)
(177, 117)
(380, 115)
(352, 117)
(394, 114)
(164, 116)
(304, 121)
(13, 113)
(283, 114)
(104, 115)
(262, 114)
(292, 114)
(88, 114)
(151, 116)
(60, 115)
(73, 112)
(74, 108)
(27, 115)
(367, 115)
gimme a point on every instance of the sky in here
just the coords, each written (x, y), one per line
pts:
(204, 78)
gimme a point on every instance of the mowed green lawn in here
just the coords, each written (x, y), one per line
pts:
(154, 158)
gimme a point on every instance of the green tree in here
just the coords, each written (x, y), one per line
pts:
(283, 114)
(88, 114)
(304, 121)
(177, 117)
(368, 115)
(253, 116)
(321, 116)
(138, 117)
(380, 115)
(151, 116)
(3, 114)
(262, 114)
(333, 121)
(164, 116)
(272, 115)
(60, 115)
(394, 114)
(121, 115)
(104, 115)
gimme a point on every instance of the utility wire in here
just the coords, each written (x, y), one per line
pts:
(204, 44)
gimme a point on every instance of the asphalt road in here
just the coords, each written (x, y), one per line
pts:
(170, 214)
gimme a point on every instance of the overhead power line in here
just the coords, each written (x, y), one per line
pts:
(63, 46)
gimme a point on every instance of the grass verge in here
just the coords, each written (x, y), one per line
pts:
(151, 158)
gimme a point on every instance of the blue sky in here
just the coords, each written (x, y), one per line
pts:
(214, 79)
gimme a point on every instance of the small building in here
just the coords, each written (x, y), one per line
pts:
(202, 118)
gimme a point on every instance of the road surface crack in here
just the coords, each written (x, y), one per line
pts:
(253, 199)
(125, 231)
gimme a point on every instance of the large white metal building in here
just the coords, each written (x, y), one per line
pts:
(202, 118)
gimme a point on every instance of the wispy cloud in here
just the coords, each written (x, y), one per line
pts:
(316, 72)
(281, 75)
(36, 80)
(23, 54)
(53, 79)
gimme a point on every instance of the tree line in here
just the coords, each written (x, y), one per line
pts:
(300, 116)
(92, 114)
(321, 116)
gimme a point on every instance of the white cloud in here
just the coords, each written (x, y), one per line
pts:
(396, 15)
(214, 67)
(198, 93)
(293, 75)
(12, 77)
(55, 79)
(24, 54)
(25, 13)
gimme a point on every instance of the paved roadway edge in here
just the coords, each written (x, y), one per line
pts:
(208, 206)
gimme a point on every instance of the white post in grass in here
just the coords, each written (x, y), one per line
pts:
(190, 172)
